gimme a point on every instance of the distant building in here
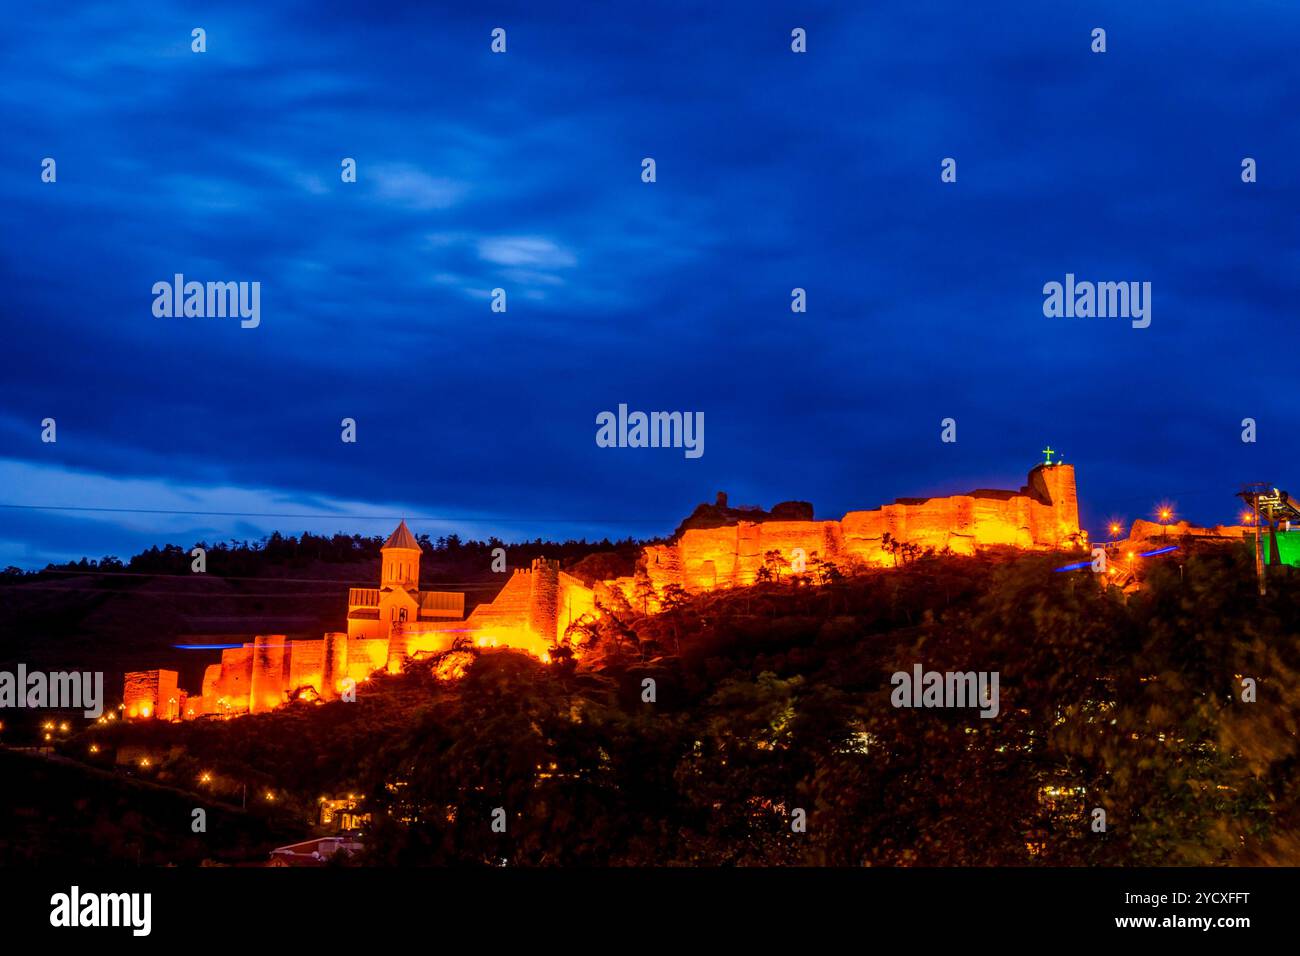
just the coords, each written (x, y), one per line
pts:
(342, 814)
(316, 852)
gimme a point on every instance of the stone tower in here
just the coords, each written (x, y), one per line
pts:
(401, 561)
(266, 689)
(1055, 483)
(544, 599)
(334, 663)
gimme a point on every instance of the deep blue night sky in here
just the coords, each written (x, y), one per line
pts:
(522, 170)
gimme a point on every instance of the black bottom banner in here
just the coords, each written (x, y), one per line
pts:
(235, 906)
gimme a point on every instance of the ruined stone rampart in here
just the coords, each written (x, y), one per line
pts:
(387, 626)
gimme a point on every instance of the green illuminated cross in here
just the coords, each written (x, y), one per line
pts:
(1049, 452)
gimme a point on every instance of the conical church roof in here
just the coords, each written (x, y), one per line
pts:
(402, 538)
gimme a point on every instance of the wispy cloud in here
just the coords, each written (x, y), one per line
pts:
(534, 251)
(412, 188)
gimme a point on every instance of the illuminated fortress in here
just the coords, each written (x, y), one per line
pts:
(395, 621)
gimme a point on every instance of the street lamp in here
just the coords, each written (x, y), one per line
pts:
(1164, 512)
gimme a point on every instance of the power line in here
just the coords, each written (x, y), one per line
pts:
(205, 594)
(212, 576)
(474, 519)
(466, 518)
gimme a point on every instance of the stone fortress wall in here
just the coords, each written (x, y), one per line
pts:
(1044, 514)
(396, 621)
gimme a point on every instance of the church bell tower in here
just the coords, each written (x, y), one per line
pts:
(401, 561)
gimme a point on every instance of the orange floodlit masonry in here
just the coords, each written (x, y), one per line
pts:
(388, 624)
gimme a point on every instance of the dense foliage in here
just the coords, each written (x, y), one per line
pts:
(777, 698)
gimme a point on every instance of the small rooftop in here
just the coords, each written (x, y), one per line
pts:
(402, 538)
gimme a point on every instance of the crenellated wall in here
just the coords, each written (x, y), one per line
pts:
(386, 626)
(1042, 515)
(1144, 530)
(150, 694)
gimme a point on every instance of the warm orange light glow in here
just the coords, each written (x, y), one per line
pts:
(63, 727)
(144, 761)
(206, 778)
(94, 748)
(399, 621)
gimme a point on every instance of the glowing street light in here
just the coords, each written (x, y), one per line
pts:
(1164, 512)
